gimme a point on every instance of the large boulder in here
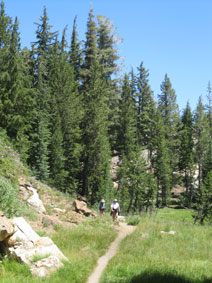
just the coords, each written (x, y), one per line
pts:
(35, 201)
(7, 227)
(30, 195)
(81, 207)
(28, 244)
(44, 267)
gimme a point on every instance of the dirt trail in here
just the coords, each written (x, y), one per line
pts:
(123, 231)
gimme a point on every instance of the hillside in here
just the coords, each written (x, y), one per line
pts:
(57, 218)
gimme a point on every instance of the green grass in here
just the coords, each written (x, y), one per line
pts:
(10, 164)
(148, 256)
(133, 219)
(82, 245)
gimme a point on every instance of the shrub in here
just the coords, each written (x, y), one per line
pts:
(133, 220)
(9, 203)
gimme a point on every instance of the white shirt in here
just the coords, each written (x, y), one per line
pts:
(115, 205)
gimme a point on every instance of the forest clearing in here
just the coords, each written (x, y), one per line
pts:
(78, 129)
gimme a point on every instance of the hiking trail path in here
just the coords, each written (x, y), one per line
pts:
(123, 230)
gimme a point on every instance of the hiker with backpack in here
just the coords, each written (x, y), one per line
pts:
(115, 209)
(102, 207)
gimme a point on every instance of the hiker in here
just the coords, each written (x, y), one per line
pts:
(102, 206)
(115, 209)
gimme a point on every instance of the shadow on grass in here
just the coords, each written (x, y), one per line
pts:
(157, 277)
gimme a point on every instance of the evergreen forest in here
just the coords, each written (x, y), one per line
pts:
(68, 108)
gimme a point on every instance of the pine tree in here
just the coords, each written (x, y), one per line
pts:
(39, 158)
(186, 163)
(96, 151)
(201, 135)
(204, 200)
(75, 52)
(209, 104)
(107, 43)
(127, 138)
(161, 161)
(146, 109)
(170, 113)
(20, 94)
(136, 192)
(207, 163)
(96, 154)
(66, 118)
(5, 39)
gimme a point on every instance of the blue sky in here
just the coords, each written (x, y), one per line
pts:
(169, 36)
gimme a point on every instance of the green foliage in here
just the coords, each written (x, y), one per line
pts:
(171, 119)
(161, 161)
(201, 134)
(137, 187)
(186, 160)
(148, 256)
(9, 203)
(133, 219)
(204, 200)
(145, 108)
(11, 167)
(127, 136)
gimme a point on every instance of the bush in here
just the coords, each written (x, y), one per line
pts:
(133, 220)
(9, 203)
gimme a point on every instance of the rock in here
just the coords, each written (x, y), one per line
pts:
(144, 235)
(59, 210)
(114, 165)
(169, 233)
(94, 215)
(22, 182)
(35, 201)
(7, 227)
(28, 244)
(121, 218)
(82, 198)
(115, 185)
(24, 194)
(178, 191)
(44, 267)
(24, 232)
(29, 194)
(81, 207)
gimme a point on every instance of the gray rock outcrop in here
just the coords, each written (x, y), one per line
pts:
(24, 244)
(29, 244)
(7, 227)
(30, 195)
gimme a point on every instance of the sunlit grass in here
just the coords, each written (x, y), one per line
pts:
(82, 245)
(148, 256)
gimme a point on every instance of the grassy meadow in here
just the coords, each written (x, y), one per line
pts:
(147, 256)
(82, 245)
(144, 256)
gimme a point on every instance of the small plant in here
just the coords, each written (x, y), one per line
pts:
(9, 203)
(133, 220)
(42, 233)
(38, 257)
(57, 228)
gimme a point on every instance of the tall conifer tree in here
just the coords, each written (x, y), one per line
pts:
(96, 152)
(41, 134)
(171, 117)
(146, 109)
(201, 135)
(162, 160)
(186, 152)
